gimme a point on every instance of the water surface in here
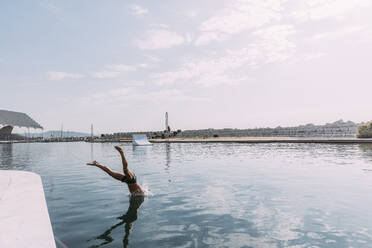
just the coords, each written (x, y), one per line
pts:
(205, 195)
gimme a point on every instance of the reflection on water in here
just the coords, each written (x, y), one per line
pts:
(6, 155)
(91, 152)
(206, 195)
(140, 150)
(366, 149)
(127, 219)
(167, 156)
(367, 153)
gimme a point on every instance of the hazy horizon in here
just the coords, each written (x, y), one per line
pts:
(213, 64)
(22, 131)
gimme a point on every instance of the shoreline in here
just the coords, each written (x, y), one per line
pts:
(248, 140)
(264, 140)
(252, 140)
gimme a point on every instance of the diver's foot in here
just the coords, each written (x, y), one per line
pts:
(118, 148)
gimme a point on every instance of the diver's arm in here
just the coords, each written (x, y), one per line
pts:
(106, 169)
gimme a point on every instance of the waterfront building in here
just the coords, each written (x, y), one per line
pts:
(11, 119)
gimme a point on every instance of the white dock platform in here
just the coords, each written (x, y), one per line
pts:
(140, 140)
(24, 217)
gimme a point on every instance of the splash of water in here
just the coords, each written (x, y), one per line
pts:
(146, 192)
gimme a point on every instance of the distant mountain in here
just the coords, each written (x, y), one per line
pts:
(56, 134)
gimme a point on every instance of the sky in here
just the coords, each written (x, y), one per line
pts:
(120, 65)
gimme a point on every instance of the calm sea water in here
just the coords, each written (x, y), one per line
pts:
(205, 195)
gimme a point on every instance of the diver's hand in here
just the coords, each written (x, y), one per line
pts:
(94, 163)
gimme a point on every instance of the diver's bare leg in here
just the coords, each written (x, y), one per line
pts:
(124, 161)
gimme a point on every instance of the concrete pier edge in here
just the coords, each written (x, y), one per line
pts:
(24, 217)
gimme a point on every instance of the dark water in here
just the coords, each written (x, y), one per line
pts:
(206, 195)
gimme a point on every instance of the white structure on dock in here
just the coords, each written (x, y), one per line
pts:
(24, 218)
(140, 140)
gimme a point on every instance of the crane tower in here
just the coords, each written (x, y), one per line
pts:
(166, 120)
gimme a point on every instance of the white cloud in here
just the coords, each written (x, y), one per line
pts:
(152, 58)
(50, 6)
(322, 9)
(121, 67)
(59, 75)
(367, 36)
(207, 37)
(106, 74)
(339, 33)
(191, 13)
(159, 25)
(113, 71)
(131, 94)
(314, 56)
(186, 72)
(189, 38)
(138, 10)
(237, 17)
(143, 65)
(271, 45)
(159, 39)
(207, 72)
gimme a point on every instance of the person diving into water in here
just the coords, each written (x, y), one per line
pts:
(129, 177)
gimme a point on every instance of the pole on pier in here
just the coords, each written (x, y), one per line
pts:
(91, 132)
(62, 131)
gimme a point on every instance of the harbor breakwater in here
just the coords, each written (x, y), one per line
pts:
(336, 129)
